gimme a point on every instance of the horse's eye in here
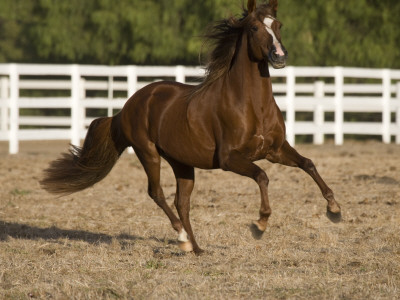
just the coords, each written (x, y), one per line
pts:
(254, 28)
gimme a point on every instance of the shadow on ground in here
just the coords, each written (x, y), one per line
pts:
(23, 231)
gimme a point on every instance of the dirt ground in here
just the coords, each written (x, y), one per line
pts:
(113, 242)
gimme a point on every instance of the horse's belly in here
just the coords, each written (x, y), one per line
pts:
(192, 147)
(189, 152)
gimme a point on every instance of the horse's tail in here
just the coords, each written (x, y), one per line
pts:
(83, 167)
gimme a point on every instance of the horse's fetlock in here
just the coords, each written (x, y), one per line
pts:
(177, 226)
(265, 213)
(183, 236)
(329, 195)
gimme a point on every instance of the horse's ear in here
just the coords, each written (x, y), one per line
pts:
(251, 6)
(274, 5)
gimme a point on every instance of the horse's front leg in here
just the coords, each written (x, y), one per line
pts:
(236, 163)
(290, 157)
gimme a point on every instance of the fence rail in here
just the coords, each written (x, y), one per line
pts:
(327, 94)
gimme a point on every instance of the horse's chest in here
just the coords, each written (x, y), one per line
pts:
(257, 147)
(260, 145)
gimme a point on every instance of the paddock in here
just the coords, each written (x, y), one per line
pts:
(112, 242)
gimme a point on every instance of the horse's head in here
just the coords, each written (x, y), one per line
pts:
(263, 31)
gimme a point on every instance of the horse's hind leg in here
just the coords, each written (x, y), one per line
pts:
(290, 157)
(184, 187)
(151, 162)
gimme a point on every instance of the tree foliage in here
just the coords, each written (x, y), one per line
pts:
(361, 33)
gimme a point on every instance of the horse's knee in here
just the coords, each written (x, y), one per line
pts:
(262, 178)
(308, 165)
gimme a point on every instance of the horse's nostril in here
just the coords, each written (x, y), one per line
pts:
(276, 56)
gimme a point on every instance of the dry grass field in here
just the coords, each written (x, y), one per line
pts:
(113, 242)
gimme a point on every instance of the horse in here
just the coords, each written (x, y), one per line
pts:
(228, 121)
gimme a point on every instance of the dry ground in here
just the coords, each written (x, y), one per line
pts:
(112, 242)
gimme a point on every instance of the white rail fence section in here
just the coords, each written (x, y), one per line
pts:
(328, 94)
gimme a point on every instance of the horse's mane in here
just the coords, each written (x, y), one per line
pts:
(223, 36)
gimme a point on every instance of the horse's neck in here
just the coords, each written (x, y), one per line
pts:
(246, 78)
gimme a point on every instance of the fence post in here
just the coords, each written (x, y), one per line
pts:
(180, 74)
(110, 95)
(290, 109)
(132, 74)
(319, 93)
(76, 121)
(5, 103)
(82, 107)
(14, 110)
(132, 80)
(339, 82)
(386, 115)
(398, 113)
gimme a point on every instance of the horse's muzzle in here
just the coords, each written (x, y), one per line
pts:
(277, 60)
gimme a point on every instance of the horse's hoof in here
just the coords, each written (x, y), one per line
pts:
(186, 246)
(333, 212)
(334, 217)
(259, 226)
(198, 251)
(334, 208)
(257, 230)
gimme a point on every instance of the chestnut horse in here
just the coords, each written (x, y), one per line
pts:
(228, 121)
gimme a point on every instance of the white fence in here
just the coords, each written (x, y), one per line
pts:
(328, 94)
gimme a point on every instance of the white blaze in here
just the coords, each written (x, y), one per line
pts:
(268, 25)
